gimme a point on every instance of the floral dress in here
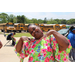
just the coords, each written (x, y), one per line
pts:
(43, 50)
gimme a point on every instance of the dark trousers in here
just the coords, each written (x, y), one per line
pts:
(13, 43)
(72, 53)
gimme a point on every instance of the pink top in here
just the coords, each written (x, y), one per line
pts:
(43, 50)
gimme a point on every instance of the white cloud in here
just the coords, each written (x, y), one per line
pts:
(48, 15)
(66, 16)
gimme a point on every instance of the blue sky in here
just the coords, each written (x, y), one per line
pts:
(42, 15)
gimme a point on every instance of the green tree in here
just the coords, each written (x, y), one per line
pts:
(12, 18)
(3, 18)
(40, 21)
(72, 21)
(63, 21)
(68, 22)
(34, 20)
(58, 21)
(18, 19)
(23, 19)
(45, 20)
(26, 20)
(50, 21)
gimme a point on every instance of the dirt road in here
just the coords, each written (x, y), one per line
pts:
(7, 53)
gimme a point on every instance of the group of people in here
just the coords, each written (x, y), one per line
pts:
(48, 47)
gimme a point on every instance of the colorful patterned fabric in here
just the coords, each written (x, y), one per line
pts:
(41, 51)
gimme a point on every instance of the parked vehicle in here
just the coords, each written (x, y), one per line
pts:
(63, 31)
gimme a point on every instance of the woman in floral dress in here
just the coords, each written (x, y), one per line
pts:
(48, 47)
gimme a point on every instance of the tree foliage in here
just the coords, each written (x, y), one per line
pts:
(4, 18)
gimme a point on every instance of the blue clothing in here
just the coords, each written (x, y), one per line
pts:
(73, 29)
(9, 36)
(71, 37)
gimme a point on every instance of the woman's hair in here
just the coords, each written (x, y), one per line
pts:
(71, 28)
(30, 25)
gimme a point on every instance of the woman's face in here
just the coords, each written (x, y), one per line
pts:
(35, 31)
(73, 31)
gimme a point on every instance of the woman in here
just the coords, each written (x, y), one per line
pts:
(43, 47)
(71, 37)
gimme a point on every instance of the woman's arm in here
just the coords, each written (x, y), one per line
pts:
(62, 41)
(20, 43)
(1, 44)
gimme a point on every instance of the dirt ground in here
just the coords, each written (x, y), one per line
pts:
(7, 53)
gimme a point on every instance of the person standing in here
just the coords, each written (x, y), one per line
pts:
(71, 37)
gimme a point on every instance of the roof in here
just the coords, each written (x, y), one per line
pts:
(2, 23)
(48, 25)
(16, 23)
(26, 24)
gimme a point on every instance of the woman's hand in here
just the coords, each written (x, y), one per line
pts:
(47, 34)
(24, 38)
(20, 43)
(62, 41)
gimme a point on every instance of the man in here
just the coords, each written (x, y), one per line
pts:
(71, 37)
(11, 37)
